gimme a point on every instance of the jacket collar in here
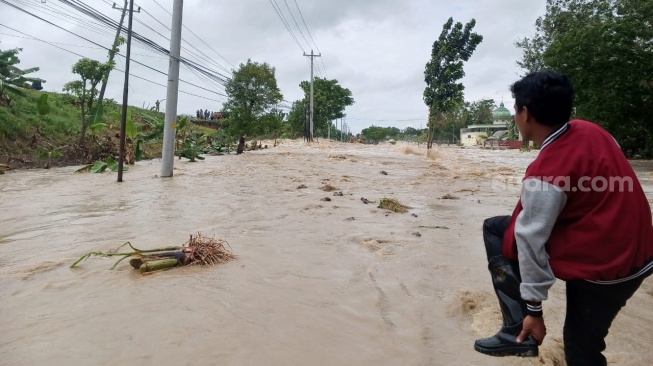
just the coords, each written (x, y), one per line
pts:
(554, 136)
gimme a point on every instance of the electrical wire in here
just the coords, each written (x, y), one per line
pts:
(198, 37)
(85, 9)
(77, 54)
(309, 34)
(285, 23)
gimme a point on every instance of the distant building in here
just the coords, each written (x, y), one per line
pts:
(475, 135)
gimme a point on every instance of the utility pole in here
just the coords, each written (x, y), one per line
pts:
(312, 56)
(114, 49)
(329, 131)
(170, 126)
(125, 94)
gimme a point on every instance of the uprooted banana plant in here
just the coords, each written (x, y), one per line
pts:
(199, 249)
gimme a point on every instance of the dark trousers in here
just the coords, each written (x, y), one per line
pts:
(591, 308)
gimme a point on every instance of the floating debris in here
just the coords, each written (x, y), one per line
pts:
(198, 250)
(328, 188)
(384, 172)
(302, 186)
(366, 201)
(393, 205)
(338, 194)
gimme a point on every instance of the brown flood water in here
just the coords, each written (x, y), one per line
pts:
(311, 285)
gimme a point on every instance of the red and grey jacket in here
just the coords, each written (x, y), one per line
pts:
(582, 215)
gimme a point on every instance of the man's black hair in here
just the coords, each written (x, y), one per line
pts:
(548, 95)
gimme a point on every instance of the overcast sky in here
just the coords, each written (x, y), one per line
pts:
(376, 48)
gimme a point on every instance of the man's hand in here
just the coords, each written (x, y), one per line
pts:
(534, 326)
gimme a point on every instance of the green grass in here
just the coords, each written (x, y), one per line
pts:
(61, 127)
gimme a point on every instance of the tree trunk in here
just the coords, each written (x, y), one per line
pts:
(82, 137)
(112, 53)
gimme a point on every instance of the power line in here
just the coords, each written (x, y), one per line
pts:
(296, 24)
(309, 34)
(77, 54)
(285, 23)
(83, 8)
(198, 37)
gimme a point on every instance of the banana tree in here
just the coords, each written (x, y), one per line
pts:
(133, 139)
(13, 79)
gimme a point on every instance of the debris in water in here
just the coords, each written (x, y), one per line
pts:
(384, 172)
(393, 205)
(302, 186)
(326, 199)
(328, 188)
(366, 201)
(338, 194)
(417, 234)
(449, 197)
(198, 250)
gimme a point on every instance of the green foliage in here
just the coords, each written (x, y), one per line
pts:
(193, 148)
(479, 112)
(134, 139)
(605, 47)
(21, 121)
(297, 118)
(252, 95)
(455, 46)
(377, 134)
(111, 163)
(85, 90)
(13, 79)
(42, 106)
(330, 100)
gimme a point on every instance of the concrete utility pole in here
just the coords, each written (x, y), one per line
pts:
(125, 94)
(329, 131)
(114, 49)
(312, 56)
(170, 126)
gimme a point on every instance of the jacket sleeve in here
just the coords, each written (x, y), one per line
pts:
(542, 203)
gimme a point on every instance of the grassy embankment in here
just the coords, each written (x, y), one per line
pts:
(26, 137)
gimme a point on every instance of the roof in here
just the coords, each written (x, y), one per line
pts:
(501, 113)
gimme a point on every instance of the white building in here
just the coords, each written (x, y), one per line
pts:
(475, 135)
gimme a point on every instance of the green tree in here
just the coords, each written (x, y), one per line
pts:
(443, 92)
(297, 118)
(330, 100)
(479, 112)
(252, 95)
(376, 134)
(91, 73)
(606, 48)
(12, 79)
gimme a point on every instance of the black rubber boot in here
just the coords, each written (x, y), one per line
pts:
(506, 285)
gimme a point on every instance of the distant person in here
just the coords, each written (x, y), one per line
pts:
(36, 85)
(572, 223)
(157, 105)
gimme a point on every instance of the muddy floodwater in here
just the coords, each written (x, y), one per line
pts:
(316, 281)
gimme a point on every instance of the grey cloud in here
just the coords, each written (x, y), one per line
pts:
(377, 49)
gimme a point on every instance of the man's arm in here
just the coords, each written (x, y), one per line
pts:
(542, 203)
